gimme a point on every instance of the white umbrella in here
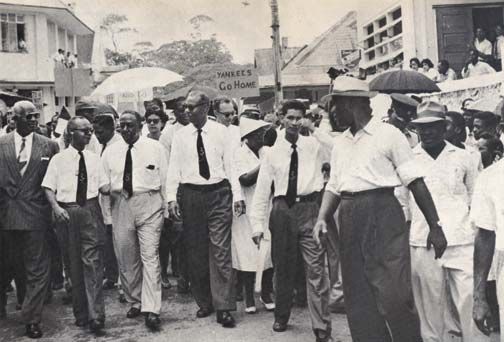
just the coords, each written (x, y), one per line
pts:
(137, 79)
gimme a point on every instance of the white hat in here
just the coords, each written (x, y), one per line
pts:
(429, 112)
(350, 87)
(248, 126)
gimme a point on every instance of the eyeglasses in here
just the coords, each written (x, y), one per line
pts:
(227, 115)
(191, 108)
(84, 130)
(32, 116)
(153, 121)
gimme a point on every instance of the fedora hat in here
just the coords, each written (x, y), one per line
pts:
(346, 86)
(430, 111)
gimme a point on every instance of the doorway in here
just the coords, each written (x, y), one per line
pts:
(487, 18)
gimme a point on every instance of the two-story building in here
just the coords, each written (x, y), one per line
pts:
(31, 33)
(393, 31)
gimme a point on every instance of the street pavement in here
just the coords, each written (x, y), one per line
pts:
(179, 323)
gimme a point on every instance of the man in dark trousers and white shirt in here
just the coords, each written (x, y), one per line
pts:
(24, 210)
(368, 161)
(72, 183)
(294, 166)
(200, 164)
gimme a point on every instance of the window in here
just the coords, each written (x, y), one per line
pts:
(370, 29)
(12, 32)
(382, 22)
(396, 14)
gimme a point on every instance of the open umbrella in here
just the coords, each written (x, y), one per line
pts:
(136, 79)
(11, 98)
(404, 82)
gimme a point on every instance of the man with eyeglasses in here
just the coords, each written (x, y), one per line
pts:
(136, 168)
(200, 168)
(224, 111)
(25, 212)
(72, 183)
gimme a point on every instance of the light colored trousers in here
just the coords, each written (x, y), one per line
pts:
(433, 281)
(499, 270)
(137, 223)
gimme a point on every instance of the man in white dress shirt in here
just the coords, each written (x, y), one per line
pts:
(224, 112)
(483, 46)
(450, 174)
(104, 127)
(368, 161)
(294, 166)
(201, 168)
(476, 67)
(136, 168)
(72, 183)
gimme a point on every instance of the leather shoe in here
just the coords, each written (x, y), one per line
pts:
(95, 325)
(133, 312)
(323, 336)
(204, 312)
(279, 327)
(225, 318)
(152, 321)
(81, 322)
(33, 331)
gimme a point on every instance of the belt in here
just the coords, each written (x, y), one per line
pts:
(206, 187)
(349, 194)
(75, 204)
(314, 196)
(150, 192)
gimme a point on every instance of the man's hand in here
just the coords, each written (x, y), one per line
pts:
(319, 230)
(482, 316)
(437, 239)
(257, 237)
(174, 210)
(61, 215)
(239, 208)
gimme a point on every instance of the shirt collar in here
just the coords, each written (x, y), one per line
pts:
(73, 150)
(370, 128)
(418, 149)
(19, 138)
(203, 129)
(287, 144)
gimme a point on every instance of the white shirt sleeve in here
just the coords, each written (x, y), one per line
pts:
(332, 184)
(260, 202)
(173, 176)
(50, 180)
(229, 148)
(483, 213)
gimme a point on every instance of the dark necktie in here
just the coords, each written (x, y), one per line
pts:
(293, 175)
(104, 146)
(204, 170)
(82, 181)
(128, 173)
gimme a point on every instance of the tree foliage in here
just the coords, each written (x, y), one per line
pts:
(114, 25)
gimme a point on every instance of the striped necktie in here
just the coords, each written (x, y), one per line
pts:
(22, 158)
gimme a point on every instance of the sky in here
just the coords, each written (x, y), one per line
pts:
(241, 27)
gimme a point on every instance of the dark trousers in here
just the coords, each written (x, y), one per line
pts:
(333, 251)
(32, 257)
(11, 268)
(291, 230)
(109, 257)
(207, 217)
(172, 243)
(56, 258)
(83, 238)
(376, 269)
(247, 281)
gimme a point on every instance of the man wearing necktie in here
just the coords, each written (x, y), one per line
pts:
(104, 126)
(72, 183)
(200, 167)
(25, 212)
(136, 168)
(294, 166)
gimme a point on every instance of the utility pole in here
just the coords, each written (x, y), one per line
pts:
(277, 53)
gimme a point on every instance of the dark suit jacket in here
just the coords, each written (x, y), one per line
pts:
(23, 204)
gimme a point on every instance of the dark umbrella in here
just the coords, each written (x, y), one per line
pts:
(11, 98)
(404, 82)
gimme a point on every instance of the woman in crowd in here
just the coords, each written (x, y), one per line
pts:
(156, 121)
(244, 252)
(414, 64)
(428, 69)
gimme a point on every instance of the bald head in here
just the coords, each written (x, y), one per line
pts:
(197, 105)
(24, 107)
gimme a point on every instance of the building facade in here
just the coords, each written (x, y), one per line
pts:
(391, 32)
(31, 33)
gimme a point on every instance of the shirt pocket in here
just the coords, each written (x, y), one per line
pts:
(150, 173)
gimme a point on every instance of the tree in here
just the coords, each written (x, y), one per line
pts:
(114, 25)
(182, 55)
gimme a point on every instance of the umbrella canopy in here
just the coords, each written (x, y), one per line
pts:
(212, 93)
(11, 98)
(133, 80)
(404, 82)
